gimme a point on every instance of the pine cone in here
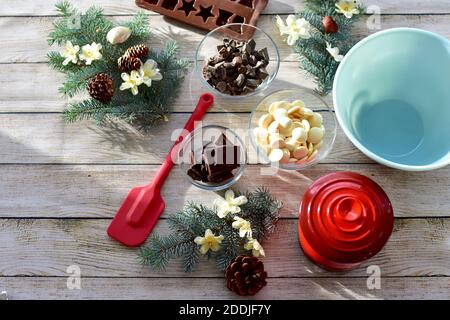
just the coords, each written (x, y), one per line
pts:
(245, 275)
(101, 87)
(138, 51)
(127, 63)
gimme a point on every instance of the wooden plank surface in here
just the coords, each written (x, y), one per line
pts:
(36, 8)
(86, 191)
(32, 46)
(210, 289)
(46, 247)
(76, 175)
(50, 140)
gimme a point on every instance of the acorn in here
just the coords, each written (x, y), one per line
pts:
(329, 25)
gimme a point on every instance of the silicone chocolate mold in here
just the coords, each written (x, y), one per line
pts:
(210, 14)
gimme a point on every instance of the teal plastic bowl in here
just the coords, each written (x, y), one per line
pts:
(392, 98)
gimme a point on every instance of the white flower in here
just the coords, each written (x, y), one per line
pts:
(131, 81)
(70, 53)
(91, 52)
(255, 246)
(347, 7)
(149, 71)
(334, 52)
(209, 242)
(245, 229)
(295, 28)
(229, 204)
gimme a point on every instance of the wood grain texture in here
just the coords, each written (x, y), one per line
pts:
(50, 140)
(37, 8)
(210, 289)
(86, 191)
(31, 46)
(43, 247)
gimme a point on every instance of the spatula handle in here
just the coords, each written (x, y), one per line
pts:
(205, 101)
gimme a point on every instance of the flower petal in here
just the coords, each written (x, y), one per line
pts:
(204, 249)
(229, 195)
(239, 201)
(199, 240)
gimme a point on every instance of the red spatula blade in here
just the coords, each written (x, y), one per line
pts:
(136, 217)
(142, 207)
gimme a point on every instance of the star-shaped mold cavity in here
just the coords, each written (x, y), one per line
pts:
(205, 13)
(187, 7)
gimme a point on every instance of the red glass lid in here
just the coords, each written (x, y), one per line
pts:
(345, 218)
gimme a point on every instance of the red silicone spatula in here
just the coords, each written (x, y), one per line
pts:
(142, 207)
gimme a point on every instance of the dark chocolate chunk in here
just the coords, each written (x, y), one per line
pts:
(236, 62)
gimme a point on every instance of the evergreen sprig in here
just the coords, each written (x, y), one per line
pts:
(144, 110)
(312, 53)
(261, 210)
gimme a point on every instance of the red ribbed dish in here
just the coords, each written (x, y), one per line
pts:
(344, 219)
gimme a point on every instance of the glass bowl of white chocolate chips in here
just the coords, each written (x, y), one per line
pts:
(292, 129)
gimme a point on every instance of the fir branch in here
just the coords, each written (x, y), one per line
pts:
(313, 57)
(144, 110)
(261, 211)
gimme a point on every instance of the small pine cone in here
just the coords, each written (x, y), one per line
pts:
(329, 25)
(101, 87)
(138, 51)
(245, 275)
(127, 63)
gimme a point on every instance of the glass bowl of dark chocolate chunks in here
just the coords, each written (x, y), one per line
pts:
(212, 157)
(236, 64)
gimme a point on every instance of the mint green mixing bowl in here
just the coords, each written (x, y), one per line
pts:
(392, 98)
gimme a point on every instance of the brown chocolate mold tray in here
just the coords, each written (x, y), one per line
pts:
(210, 14)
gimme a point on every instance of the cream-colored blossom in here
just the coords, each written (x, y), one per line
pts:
(149, 71)
(347, 7)
(244, 226)
(131, 81)
(334, 52)
(294, 28)
(229, 204)
(70, 52)
(91, 52)
(209, 242)
(255, 246)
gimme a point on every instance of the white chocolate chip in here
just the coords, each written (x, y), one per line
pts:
(286, 156)
(294, 110)
(315, 135)
(306, 112)
(303, 160)
(299, 134)
(299, 103)
(293, 160)
(300, 152)
(291, 144)
(278, 105)
(310, 148)
(276, 141)
(273, 127)
(265, 120)
(306, 125)
(280, 113)
(276, 155)
(297, 124)
(316, 120)
(285, 122)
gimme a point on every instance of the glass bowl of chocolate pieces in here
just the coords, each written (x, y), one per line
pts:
(236, 64)
(212, 157)
(292, 129)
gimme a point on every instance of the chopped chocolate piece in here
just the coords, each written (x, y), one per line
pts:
(252, 83)
(221, 86)
(240, 80)
(237, 62)
(220, 177)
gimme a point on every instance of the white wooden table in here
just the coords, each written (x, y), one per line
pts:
(61, 183)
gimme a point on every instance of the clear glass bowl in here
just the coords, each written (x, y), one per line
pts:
(208, 48)
(195, 141)
(312, 101)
